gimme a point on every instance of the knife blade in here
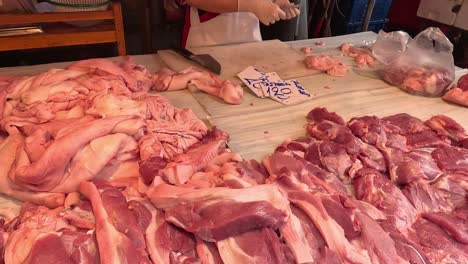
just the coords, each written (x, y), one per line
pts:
(204, 60)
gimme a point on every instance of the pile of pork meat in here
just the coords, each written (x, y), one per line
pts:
(107, 172)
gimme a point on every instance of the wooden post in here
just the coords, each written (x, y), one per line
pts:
(119, 28)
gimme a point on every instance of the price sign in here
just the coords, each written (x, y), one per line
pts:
(254, 78)
(286, 92)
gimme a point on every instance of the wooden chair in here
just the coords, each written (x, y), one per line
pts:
(57, 34)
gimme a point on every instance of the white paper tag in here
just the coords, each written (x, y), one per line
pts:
(254, 78)
(286, 92)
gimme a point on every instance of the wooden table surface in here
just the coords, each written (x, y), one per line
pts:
(257, 126)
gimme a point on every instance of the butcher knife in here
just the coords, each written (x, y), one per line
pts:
(204, 60)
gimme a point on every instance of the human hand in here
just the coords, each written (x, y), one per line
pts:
(265, 10)
(290, 10)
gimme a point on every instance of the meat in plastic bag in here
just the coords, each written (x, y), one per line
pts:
(389, 45)
(422, 66)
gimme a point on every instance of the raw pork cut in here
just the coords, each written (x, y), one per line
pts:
(326, 63)
(438, 245)
(356, 148)
(163, 240)
(302, 237)
(40, 235)
(454, 224)
(451, 158)
(120, 232)
(227, 90)
(454, 188)
(425, 198)
(217, 213)
(257, 246)
(362, 57)
(377, 190)
(183, 166)
(459, 94)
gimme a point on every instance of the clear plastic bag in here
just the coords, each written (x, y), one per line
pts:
(422, 66)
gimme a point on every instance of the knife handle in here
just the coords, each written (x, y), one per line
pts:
(184, 52)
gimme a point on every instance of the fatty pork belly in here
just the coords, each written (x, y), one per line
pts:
(93, 120)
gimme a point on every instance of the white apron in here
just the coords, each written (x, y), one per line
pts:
(226, 28)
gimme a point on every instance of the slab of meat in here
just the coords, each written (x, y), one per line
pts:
(457, 96)
(332, 232)
(163, 239)
(227, 90)
(439, 246)
(302, 237)
(447, 127)
(183, 166)
(101, 154)
(47, 172)
(407, 167)
(378, 243)
(379, 191)
(208, 252)
(378, 132)
(257, 246)
(417, 134)
(331, 157)
(451, 158)
(320, 113)
(120, 232)
(454, 224)
(328, 64)
(334, 210)
(407, 249)
(279, 164)
(170, 131)
(356, 148)
(407, 123)
(40, 235)
(425, 198)
(8, 151)
(454, 188)
(254, 170)
(107, 66)
(362, 57)
(463, 82)
(216, 213)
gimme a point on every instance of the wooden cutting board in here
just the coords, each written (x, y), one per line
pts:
(318, 85)
(268, 56)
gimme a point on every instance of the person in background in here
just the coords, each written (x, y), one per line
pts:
(220, 22)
